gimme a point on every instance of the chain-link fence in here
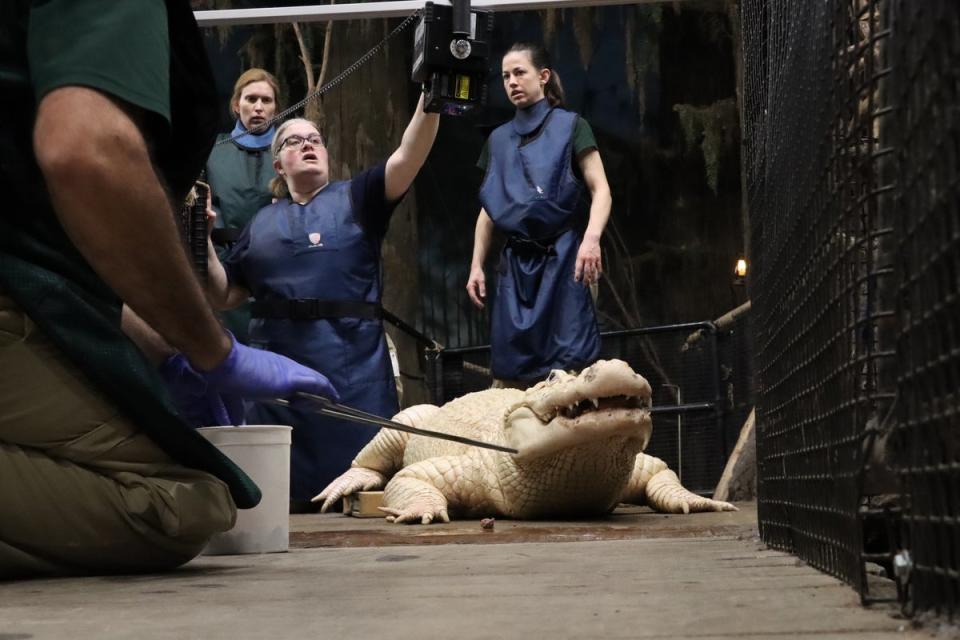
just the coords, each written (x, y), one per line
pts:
(851, 154)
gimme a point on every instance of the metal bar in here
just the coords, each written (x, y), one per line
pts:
(677, 407)
(717, 400)
(663, 328)
(683, 408)
(438, 378)
(335, 410)
(386, 9)
(606, 335)
(396, 321)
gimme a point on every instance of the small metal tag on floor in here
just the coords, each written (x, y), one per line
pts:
(363, 504)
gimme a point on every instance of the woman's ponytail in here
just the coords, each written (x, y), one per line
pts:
(554, 89)
(278, 187)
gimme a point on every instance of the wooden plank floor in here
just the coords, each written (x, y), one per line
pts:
(700, 576)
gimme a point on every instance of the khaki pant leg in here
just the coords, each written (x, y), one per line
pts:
(81, 489)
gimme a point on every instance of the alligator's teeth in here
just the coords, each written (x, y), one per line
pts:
(595, 401)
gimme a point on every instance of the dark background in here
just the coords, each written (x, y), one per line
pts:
(657, 83)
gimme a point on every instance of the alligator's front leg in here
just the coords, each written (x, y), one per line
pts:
(653, 484)
(425, 491)
(644, 468)
(381, 458)
(667, 495)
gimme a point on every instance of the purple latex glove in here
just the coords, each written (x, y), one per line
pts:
(256, 374)
(197, 403)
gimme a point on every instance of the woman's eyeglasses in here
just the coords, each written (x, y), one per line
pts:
(295, 141)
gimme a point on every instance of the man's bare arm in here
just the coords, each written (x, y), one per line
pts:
(113, 206)
(151, 343)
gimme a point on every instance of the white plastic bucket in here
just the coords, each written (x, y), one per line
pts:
(263, 452)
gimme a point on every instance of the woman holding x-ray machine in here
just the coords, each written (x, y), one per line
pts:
(311, 261)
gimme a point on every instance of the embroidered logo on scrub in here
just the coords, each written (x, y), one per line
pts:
(314, 239)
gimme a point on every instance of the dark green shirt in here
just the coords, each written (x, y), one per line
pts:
(124, 50)
(239, 181)
(583, 140)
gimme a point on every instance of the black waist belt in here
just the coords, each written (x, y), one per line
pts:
(224, 236)
(313, 309)
(528, 246)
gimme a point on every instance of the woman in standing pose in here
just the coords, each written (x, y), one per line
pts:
(535, 168)
(239, 170)
(311, 261)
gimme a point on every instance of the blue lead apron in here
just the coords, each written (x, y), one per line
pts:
(542, 319)
(318, 251)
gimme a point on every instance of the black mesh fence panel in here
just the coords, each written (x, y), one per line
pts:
(926, 60)
(853, 164)
(821, 278)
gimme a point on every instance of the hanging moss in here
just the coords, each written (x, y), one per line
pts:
(550, 19)
(642, 28)
(583, 33)
(714, 127)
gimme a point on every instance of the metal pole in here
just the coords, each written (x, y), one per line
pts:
(386, 9)
(679, 431)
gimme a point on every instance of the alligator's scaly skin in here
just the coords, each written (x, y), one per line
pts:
(567, 467)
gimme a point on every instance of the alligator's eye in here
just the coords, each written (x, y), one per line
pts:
(554, 375)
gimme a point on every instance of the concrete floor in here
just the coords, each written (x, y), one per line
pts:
(635, 574)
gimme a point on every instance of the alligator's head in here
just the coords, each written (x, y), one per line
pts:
(605, 400)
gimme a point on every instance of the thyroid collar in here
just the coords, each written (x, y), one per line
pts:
(527, 120)
(252, 140)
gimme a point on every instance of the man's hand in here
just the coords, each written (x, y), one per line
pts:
(197, 404)
(477, 286)
(256, 374)
(216, 397)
